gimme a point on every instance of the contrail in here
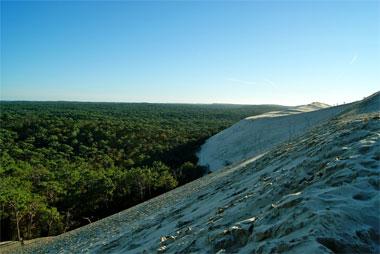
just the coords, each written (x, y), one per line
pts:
(353, 60)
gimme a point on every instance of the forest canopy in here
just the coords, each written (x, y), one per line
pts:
(67, 164)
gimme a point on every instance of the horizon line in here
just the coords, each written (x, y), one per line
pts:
(145, 102)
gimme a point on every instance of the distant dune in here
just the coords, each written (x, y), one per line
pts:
(255, 135)
(307, 182)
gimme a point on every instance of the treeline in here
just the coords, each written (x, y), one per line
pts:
(63, 165)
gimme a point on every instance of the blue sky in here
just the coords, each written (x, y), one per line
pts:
(253, 52)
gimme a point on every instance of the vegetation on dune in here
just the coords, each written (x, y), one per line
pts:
(63, 165)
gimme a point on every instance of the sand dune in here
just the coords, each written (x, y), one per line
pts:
(255, 135)
(316, 193)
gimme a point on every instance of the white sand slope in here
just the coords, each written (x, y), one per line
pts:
(258, 134)
(319, 193)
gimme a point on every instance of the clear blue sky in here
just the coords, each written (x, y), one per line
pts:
(283, 52)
